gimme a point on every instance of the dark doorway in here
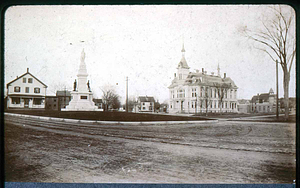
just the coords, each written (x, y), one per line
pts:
(26, 103)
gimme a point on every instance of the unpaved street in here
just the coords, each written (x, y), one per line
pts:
(216, 152)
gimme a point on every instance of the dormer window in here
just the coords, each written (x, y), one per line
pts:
(24, 80)
(17, 89)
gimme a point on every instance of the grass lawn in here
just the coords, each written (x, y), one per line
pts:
(106, 116)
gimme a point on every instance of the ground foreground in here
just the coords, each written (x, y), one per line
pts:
(216, 152)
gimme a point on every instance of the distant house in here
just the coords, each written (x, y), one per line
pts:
(26, 91)
(146, 104)
(52, 103)
(98, 103)
(58, 101)
(263, 103)
(163, 107)
(64, 98)
(243, 106)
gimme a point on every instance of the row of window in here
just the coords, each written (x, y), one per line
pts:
(262, 108)
(150, 108)
(149, 104)
(30, 80)
(27, 89)
(214, 104)
(17, 100)
(208, 93)
(211, 105)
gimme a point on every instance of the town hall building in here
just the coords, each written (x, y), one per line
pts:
(26, 91)
(200, 92)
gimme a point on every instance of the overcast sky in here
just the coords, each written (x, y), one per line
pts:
(141, 42)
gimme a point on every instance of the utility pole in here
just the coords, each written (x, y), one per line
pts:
(126, 94)
(277, 113)
(65, 97)
(196, 103)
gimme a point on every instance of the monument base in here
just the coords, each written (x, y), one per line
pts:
(81, 101)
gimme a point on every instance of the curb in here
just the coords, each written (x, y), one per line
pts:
(112, 122)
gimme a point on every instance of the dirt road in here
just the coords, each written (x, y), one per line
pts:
(218, 152)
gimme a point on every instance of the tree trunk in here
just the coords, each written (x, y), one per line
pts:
(286, 81)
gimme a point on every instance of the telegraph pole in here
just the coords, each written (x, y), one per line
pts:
(196, 104)
(277, 113)
(126, 94)
(65, 97)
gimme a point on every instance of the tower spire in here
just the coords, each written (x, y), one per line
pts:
(183, 62)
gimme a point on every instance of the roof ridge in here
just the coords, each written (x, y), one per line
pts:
(19, 77)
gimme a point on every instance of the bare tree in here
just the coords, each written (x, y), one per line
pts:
(58, 86)
(278, 36)
(111, 100)
(221, 89)
(205, 98)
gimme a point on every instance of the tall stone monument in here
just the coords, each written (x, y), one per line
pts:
(82, 96)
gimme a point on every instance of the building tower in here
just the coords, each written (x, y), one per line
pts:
(82, 96)
(183, 69)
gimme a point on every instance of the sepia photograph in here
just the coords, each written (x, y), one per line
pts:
(150, 94)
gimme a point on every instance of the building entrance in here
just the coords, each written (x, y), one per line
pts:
(26, 103)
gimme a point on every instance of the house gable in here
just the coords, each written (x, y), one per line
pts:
(26, 75)
(26, 84)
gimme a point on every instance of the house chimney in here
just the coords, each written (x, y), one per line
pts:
(197, 70)
(224, 75)
(27, 69)
(202, 70)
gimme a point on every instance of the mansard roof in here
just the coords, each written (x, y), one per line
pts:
(263, 97)
(201, 79)
(23, 76)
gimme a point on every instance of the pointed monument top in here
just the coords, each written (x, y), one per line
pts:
(82, 55)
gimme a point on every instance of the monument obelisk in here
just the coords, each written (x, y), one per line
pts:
(82, 96)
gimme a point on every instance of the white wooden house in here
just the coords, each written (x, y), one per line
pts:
(26, 91)
(146, 104)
